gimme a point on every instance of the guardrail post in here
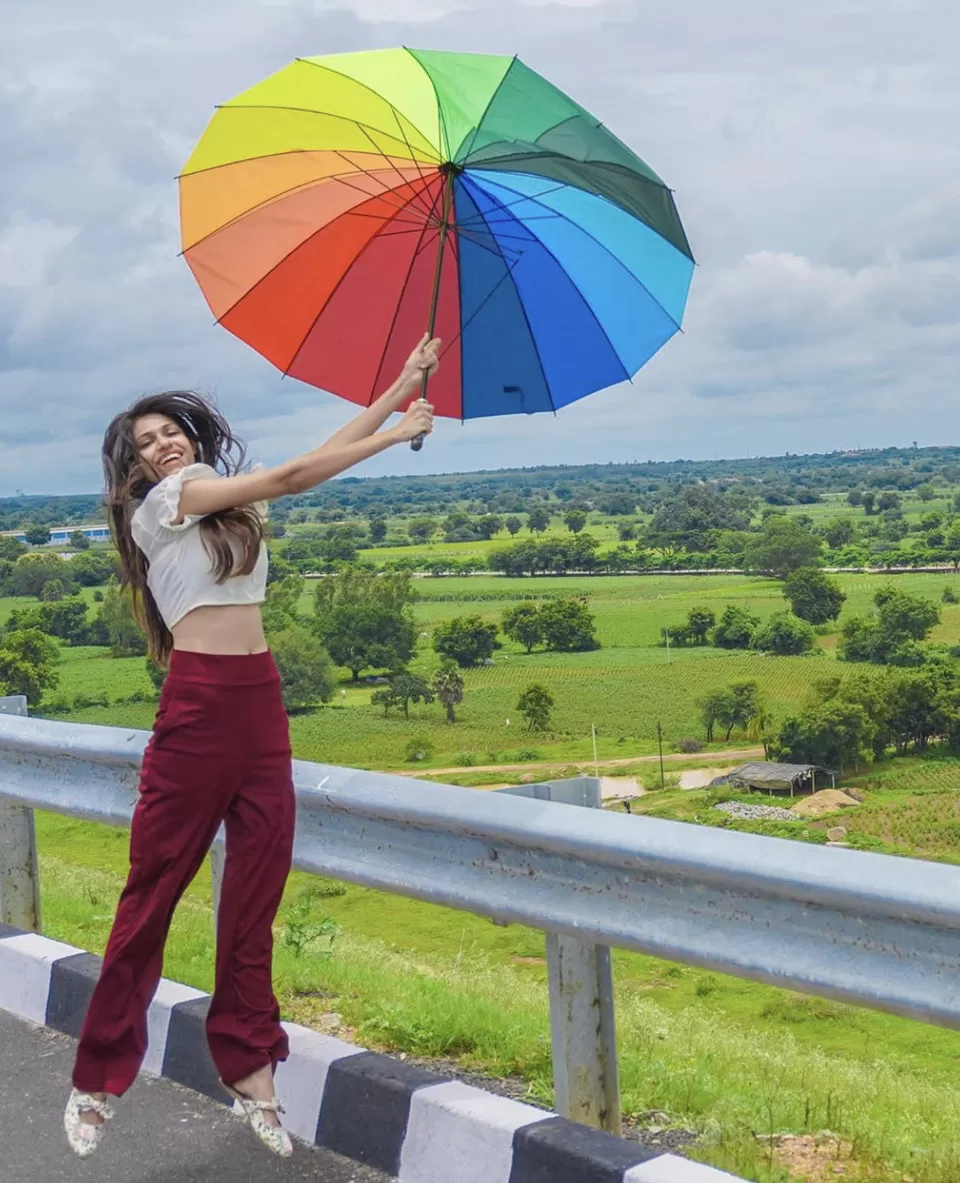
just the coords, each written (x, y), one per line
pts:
(586, 1076)
(218, 857)
(19, 871)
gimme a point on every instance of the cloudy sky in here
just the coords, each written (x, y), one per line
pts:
(812, 146)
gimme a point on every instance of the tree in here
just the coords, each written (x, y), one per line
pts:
(835, 735)
(79, 540)
(813, 596)
(368, 636)
(360, 587)
(281, 607)
(65, 619)
(538, 520)
(52, 591)
(783, 546)
(339, 544)
(306, 672)
(784, 635)
(699, 623)
(448, 687)
(156, 673)
(93, 568)
(887, 501)
(28, 664)
(116, 625)
(467, 640)
(535, 704)
(378, 529)
(514, 525)
(719, 706)
(687, 519)
(855, 497)
(523, 625)
(736, 628)
(37, 535)
(575, 520)
(893, 635)
(746, 703)
(867, 500)
(618, 504)
(31, 571)
(488, 525)
(735, 705)
(926, 491)
(402, 689)
(422, 529)
(839, 532)
(568, 625)
(11, 549)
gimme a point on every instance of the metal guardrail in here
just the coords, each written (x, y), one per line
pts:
(858, 927)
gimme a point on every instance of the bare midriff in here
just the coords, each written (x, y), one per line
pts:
(221, 628)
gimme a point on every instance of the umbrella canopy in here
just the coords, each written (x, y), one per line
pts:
(336, 209)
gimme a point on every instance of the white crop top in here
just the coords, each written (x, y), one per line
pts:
(180, 574)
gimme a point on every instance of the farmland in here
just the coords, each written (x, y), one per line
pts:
(625, 687)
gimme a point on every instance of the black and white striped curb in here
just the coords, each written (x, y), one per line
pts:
(409, 1123)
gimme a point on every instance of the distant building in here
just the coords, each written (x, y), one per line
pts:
(59, 534)
(776, 778)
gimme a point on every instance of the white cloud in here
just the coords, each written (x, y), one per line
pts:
(812, 148)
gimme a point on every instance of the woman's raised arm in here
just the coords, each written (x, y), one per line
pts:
(356, 441)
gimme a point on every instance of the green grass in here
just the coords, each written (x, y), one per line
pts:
(722, 1056)
(625, 687)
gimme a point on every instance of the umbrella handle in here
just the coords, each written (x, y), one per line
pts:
(417, 442)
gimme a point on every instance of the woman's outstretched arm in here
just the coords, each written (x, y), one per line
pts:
(353, 443)
(423, 360)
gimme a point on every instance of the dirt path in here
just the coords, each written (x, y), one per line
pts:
(672, 758)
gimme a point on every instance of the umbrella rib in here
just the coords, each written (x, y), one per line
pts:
(341, 178)
(426, 208)
(507, 205)
(396, 312)
(397, 113)
(442, 124)
(526, 318)
(364, 127)
(281, 261)
(601, 245)
(488, 107)
(386, 188)
(363, 250)
(586, 302)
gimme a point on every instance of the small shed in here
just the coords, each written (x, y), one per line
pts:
(777, 778)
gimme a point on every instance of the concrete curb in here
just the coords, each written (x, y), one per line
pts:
(414, 1125)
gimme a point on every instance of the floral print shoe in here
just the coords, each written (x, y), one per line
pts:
(83, 1137)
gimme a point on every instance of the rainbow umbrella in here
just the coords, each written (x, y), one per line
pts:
(339, 207)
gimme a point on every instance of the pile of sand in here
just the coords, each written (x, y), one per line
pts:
(826, 801)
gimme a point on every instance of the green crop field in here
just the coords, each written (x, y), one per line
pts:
(624, 688)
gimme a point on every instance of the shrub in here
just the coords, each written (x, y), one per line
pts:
(418, 748)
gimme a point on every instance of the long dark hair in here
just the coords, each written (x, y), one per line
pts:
(232, 537)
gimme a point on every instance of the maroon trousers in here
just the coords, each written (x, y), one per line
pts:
(220, 752)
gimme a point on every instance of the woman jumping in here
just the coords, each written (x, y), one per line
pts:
(189, 528)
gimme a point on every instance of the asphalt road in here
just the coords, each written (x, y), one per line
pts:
(162, 1133)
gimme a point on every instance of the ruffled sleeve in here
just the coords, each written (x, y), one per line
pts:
(157, 513)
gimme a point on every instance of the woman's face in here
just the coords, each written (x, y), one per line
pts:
(162, 445)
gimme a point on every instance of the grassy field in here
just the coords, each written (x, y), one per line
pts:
(724, 1058)
(625, 688)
